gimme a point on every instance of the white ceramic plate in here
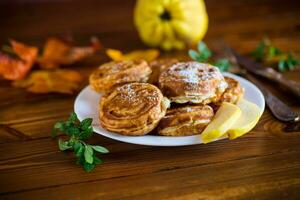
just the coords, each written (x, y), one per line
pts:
(86, 105)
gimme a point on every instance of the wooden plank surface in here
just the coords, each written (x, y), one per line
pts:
(265, 164)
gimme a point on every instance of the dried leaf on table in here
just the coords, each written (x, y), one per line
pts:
(148, 55)
(16, 67)
(44, 81)
(57, 52)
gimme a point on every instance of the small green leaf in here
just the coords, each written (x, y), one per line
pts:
(100, 149)
(281, 65)
(73, 131)
(84, 135)
(88, 167)
(80, 160)
(88, 154)
(273, 51)
(193, 54)
(86, 123)
(223, 64)
(202, 46)
(78, 149)
(259, 51)
(59, 126)
(204, 52)
(73, 118)
(63, 145)
(97, 160)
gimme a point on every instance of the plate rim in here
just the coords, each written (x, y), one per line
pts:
(171, 141)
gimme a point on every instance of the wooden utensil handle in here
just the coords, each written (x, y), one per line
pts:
(279, 109)
(291, 85)
(273, 75)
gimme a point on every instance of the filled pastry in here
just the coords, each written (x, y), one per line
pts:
(133, 109)
(187, 120)
(192, 82)
(113, 74)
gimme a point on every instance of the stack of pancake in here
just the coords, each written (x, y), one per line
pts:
(177, 98)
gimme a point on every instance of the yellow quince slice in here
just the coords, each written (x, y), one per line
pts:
(223, 120)
(248, 119)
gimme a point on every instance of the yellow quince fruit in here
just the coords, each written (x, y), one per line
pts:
(223, 120)
(247, 121)
(170, 24)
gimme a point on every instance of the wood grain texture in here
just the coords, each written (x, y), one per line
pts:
(264, 164)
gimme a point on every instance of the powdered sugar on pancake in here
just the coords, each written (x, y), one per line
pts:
(194, 72)
(135, 92)
(192, 81)
(127, 93)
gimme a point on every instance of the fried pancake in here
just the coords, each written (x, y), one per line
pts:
(187, 120)
(116, 73)
(192, 82)
(232, 94)
(133, 109)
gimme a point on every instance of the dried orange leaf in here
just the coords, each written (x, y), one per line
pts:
(16, 68)
(44, 81)
(57, 52)
(148, 55)
(26, 53)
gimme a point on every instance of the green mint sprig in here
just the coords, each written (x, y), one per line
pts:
(268, 53)
(288, 62)
(223, 64)
(204, 54)
(78, 132)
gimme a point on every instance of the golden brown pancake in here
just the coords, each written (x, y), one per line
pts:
(113, 74)
(232, 94)
(187, 120)
(133, 109)
(192, 82)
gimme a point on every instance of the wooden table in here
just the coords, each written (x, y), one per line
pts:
(264, 164)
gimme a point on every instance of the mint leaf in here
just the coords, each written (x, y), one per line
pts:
(85, 134)
(73, 131)
(78, 149)
(273, 51)
(100, 149)
(86, 123)
(223, 64)
(80, 160)
(73, 118)
(59, 126)
(63, 145)
(266, 51)
(202, 47)
(88, 167)
(281, 65)
(97, 160)
(203, 53)
(88, 154)
(258, 53)
(193, 54)
(78, 132)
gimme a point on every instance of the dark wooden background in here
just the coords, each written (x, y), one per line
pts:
(265, 164)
